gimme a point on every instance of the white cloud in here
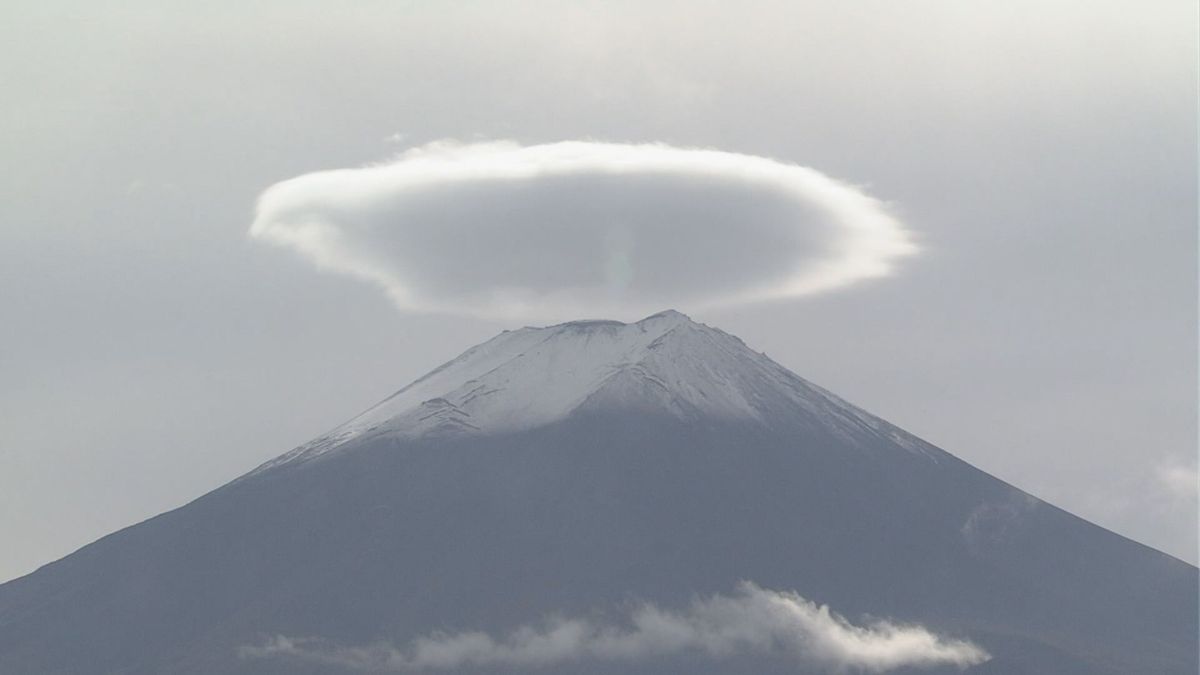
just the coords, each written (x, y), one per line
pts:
(752, 621)
(1179, 479)
(563, 229)
(995, 524)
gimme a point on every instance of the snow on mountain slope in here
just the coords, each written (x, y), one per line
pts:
(579, 470)
(665, 363)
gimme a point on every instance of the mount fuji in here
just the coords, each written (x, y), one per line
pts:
(601, 497)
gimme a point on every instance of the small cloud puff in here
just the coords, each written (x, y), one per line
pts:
(1179, 479)
(753, 621)
(558, 230)
(991, 526)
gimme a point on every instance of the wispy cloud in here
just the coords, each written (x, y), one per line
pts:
(994, 524)
(753, 621)
(1179, 479)
(500, 229)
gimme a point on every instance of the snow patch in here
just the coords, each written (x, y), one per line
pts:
(665, 363)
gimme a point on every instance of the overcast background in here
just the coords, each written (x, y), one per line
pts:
(1043, 152)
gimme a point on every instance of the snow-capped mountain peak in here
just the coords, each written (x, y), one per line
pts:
(570, 470)
(664, 364)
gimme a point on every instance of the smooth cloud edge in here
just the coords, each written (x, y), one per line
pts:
(870, 244)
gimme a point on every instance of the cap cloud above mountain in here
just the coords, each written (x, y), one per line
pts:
(547, 231)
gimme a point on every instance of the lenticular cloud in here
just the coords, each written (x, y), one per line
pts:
(504, 230)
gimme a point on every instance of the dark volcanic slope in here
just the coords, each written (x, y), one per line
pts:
(632, 494)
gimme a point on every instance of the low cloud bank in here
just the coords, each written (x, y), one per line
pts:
(559, 230)
(752, 621)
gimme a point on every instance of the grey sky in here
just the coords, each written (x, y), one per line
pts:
(1043, 152)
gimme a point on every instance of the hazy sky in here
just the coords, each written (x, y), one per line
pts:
(1042, 154)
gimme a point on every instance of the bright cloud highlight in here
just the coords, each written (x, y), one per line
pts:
(565, 229)
(753, 621)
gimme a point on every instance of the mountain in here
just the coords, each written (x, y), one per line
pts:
(601, 497)
(665, 364)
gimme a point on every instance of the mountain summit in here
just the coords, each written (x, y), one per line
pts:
(665, 364)
(600, 497)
